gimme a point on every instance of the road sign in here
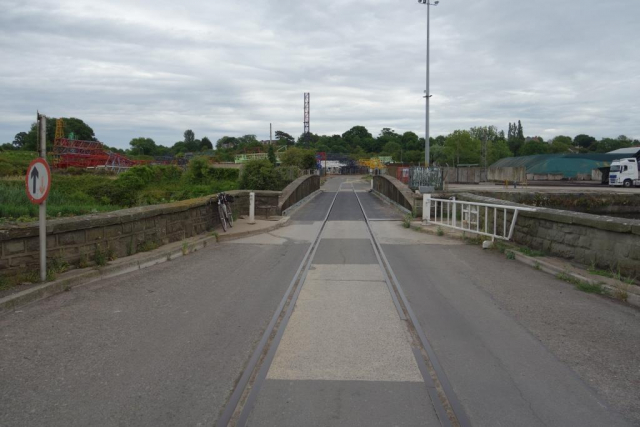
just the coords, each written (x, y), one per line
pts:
(38, 181)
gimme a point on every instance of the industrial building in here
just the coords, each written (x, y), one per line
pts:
(578, 167)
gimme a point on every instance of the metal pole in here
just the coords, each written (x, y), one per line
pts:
(252, 207)
(42, 217)
(426, 139)
(270, 134)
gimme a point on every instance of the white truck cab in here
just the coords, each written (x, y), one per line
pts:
(624, 173)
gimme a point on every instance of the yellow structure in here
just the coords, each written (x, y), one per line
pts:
(375, 162)
(59, 129)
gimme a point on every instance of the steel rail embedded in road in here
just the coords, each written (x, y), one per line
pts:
(459, 416)
(258, 366)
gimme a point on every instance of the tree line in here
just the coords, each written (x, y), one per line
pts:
(75, 128)
(479, 145)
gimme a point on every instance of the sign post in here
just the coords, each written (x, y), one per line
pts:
(38, 184)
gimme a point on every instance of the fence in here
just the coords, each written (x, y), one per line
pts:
(478, 218)
(426, 177)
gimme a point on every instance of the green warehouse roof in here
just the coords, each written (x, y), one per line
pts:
(568, 165)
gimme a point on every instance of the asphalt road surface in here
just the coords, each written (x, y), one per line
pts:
(165, 346)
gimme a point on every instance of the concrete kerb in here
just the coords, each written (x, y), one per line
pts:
(139, 261)
(543, 265)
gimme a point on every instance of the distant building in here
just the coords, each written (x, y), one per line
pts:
(591, 166)
(628, 152)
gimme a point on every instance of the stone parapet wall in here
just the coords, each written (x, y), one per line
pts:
(397, 192)
(605, 242)
(122, 233)
(298, 190)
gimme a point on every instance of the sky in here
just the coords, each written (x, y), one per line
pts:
(226, 67)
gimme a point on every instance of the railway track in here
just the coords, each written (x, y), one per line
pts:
(247, 389)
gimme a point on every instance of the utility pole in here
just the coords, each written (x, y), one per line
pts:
(270, 134)
(42, 213)
(427, 94)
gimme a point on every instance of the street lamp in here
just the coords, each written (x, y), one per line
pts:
(427, 95)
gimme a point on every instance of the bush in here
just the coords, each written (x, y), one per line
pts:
(198, 171)
(260, 175)
(304, 159)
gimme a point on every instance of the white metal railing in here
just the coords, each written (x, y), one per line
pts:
(479, 218)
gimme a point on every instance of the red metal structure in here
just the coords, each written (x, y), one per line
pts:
(89, 154)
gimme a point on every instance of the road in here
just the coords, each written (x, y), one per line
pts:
(168, 345)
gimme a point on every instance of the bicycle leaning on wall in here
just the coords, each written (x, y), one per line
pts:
(224, 210)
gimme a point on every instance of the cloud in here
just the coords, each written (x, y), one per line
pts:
(154, 69)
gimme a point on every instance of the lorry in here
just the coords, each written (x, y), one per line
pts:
(624, 173)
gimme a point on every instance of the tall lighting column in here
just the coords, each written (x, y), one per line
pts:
(427, 94)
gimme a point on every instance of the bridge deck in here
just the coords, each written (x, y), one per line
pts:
(167, 345)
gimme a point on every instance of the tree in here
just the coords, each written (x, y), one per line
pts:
(189, 136)
(520, 132)
(284, 138)
(304, 159)
(482, 133)
(560, 144)
(72, 125)
(460, 147)
(497, 150)
(437, 153)
(271, 155)
(515, 137)
(609, 144)
(584, 141)
(225, 142)
(532, 147)
(359, 136)
(206, 144)
(393, 149)
(19, 140)
(142, 145)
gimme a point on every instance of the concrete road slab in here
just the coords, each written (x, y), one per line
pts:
(343, 404)
(299, 232)
(346, 208)
(378, 209)
(346, 272)
(393, 233)
(159, 347)
(294, 232)
(501, 373)
(345, 331)
(345, 230)
(314, 210)
(345, 251)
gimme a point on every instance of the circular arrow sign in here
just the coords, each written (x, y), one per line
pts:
(38, 181)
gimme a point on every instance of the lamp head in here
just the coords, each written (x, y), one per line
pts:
(436, 3)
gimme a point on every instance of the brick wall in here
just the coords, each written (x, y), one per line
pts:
(123, 232)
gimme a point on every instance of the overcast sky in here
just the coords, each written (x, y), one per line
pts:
(228, 67)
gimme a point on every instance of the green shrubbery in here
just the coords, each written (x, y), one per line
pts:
(262, 175)
(77, 193)
(13, 163)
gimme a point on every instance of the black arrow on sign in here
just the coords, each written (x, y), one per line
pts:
(34, 175)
